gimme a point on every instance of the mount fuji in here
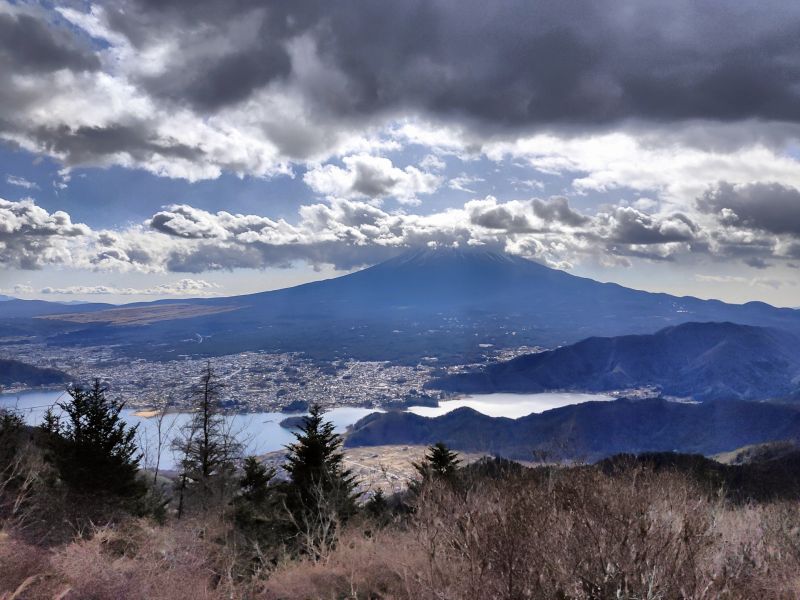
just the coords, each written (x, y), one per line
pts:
(451, 304)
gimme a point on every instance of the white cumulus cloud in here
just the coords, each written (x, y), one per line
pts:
(183, 287)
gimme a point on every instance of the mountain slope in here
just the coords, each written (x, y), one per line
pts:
(701, 360)
(591, 430)
(17, 372)
(442, 303)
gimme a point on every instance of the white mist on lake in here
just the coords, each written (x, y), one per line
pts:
(511, 406)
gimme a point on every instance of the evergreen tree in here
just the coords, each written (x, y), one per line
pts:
(209, 449)
(321, 489)
(11, 428)
(378, 507)
(92, 448)
(51, 424)
(439, 463)
(258, 507)
(255, 481)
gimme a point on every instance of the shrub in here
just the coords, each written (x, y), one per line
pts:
(562, 533)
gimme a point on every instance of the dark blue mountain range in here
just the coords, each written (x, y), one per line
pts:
(704, 361)
(592, 430)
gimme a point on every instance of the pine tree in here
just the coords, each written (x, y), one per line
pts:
(91, 446)
(378, 508)
(11, 424)
(255, 480)
(209, 449)
(51, 424)
(11, 429)
(439, 463)
(258, 509)
(320, 486)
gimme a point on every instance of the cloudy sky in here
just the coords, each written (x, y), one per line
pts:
(167, 148)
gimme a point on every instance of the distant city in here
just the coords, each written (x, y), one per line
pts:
(252, 381)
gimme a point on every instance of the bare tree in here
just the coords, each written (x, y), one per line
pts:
(164, 429)
(319, 524)
(207, 445)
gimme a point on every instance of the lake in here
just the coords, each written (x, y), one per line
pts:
(261, 432)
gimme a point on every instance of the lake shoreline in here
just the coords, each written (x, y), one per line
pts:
(261, 431)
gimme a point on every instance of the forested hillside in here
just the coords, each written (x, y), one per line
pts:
(17, 372)
(703, 361)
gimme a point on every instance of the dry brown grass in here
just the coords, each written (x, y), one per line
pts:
(374, 566)
(570, 534)
(137, 561)
(20, 562)
(580, 535)
(140, 315)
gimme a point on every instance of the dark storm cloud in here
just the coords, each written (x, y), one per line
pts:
(557, 209)
(87, 144)
(225, 79)
(627, 225)
(515, 217)
(242, 45)
(511, 63)
(770, 207)
(503, 219)
(163, 85)
(28, 44)
(35, 50)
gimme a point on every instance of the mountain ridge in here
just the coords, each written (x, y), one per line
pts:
(699, 360)
(591, 430)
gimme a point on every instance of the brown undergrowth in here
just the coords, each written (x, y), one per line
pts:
(572, 533)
